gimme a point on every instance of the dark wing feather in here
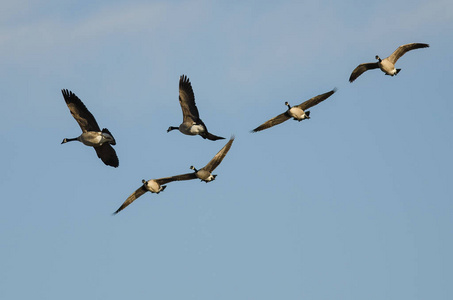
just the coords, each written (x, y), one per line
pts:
(165, 180)
(107, 154)
(316, 100)
(187, 100)
(401, 50)
(272, 122)
(362, 68)
(79, 111)
(217, 159)
(140, 191)
(210, 136)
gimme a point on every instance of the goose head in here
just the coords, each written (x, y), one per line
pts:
(378, 58)
(193, 168)
(65, 140)
(287, 104)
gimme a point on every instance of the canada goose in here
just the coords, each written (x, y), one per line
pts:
(192, 124)
(387, 65)
(152, 185)
(296, 112)
(156, 185)
(92, 135)
(205, 173)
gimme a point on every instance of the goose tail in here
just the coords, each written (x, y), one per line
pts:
(212, 137)
(105, 130)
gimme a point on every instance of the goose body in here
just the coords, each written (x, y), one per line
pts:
(93, 138)
(204, 175)
(192, 124)
(387, 65)
(191, 128)
(298, 112)
(92, 135)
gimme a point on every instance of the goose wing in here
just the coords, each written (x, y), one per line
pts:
(107, 154)
(362, 68)
(217, 159)
(140, 191)
(315, 100)
(165, 180)
(272, 122)
(79, 111)
(401, 50)
(187, 101)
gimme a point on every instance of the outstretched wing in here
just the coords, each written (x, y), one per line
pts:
(272, 122)
(140, 191)
(217, 159)
(79, 111)
(362, 68)
(401, 50)
(316, 100)
(107, 154)
(187, 100)
(165, 180)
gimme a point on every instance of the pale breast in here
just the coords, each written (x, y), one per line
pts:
(190, 129)
(197, 129)
(152, 186)
(296, 113)
(91, 138)
(204, 175)
(387, 67)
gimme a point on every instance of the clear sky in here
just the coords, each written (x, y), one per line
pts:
(355, 203)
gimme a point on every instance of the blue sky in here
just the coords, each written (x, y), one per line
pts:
(355, 203)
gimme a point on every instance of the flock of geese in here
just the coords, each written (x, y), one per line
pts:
(102, 140)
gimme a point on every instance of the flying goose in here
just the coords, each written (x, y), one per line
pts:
(156, 185)
(153, 185)
(192, 124)
(387, 65)
(298, 112)
(205, 173)
(91, 135)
